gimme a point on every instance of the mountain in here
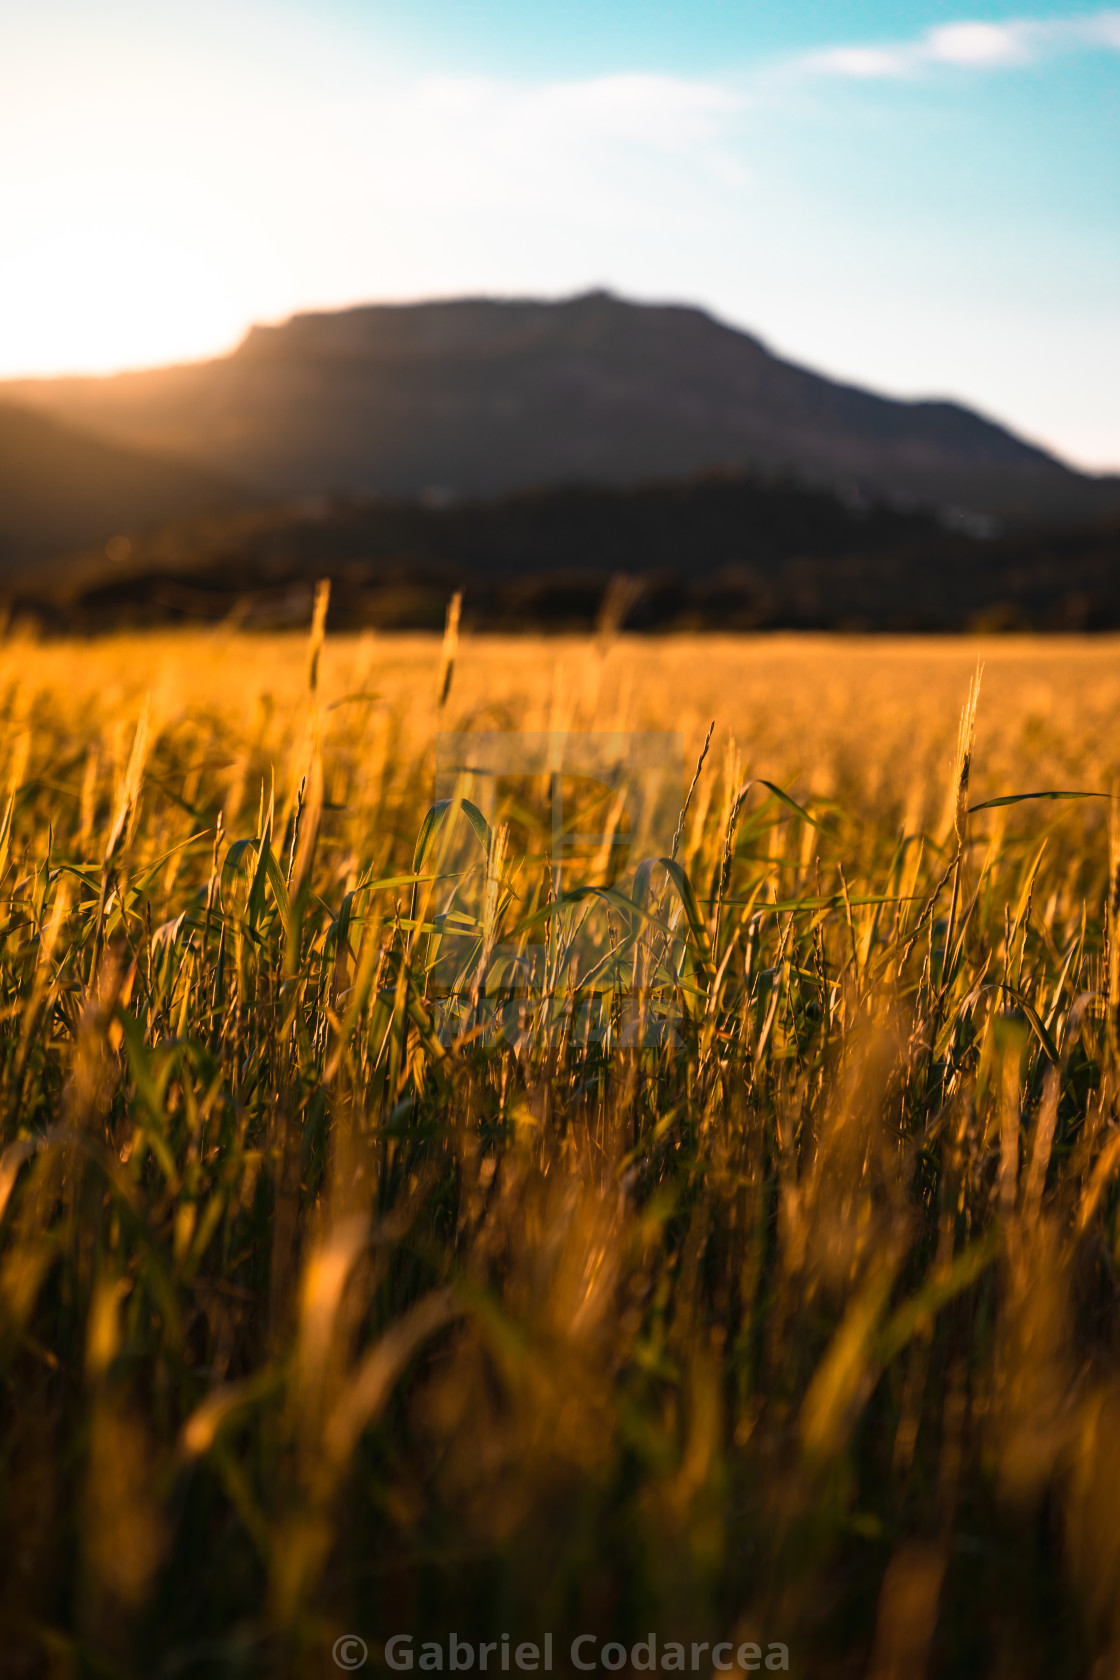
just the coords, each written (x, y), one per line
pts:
(61, 489)
(477, 397)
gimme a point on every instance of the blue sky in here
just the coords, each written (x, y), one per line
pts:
(922, 198)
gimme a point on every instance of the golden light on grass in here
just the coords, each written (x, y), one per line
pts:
(323, 1309)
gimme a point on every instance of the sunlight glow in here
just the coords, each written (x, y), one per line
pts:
(167, 186)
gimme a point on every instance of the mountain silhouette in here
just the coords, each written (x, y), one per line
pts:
(480, 398)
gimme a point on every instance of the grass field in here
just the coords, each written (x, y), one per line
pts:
(358, 1279)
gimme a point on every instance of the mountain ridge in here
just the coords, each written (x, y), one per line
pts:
(480, 397)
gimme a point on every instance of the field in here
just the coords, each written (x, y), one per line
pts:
(736, 1261)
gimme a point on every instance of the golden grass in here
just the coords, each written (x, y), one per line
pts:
(1068, 685)
(316, 1318)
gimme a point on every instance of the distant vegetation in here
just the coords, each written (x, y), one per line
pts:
(728, 552)
(316, 1318)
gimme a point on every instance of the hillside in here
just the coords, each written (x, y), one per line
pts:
(61, 489)
(477, 397)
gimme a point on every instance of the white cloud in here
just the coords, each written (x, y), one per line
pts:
(1104, 29)
(978, 43)
(597, 142)
(970, 45)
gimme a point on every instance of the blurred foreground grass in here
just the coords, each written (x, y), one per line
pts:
(316, 1319)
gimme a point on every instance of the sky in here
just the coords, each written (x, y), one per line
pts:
(921, 198)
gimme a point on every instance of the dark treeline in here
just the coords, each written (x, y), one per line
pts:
(722, 553)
